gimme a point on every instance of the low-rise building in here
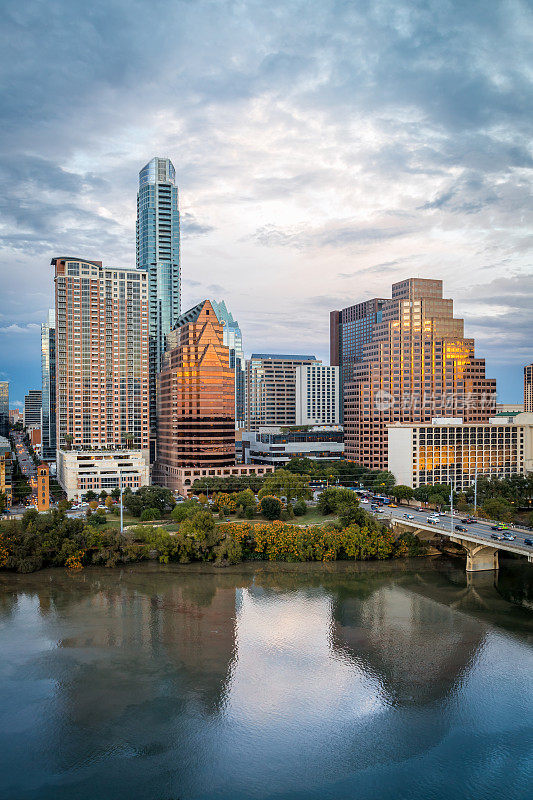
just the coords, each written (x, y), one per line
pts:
(276, 445)
(448, 451)
(183, 478)
(78, 471)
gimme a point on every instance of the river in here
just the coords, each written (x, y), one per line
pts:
(307, 682)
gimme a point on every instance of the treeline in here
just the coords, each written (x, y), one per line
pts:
(51, 540)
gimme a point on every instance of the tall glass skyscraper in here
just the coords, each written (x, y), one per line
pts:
(48, 372)
(233, 339)
(158, 252)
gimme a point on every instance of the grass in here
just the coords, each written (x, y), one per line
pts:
(312, 517)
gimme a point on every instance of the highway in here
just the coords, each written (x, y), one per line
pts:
(481, 531)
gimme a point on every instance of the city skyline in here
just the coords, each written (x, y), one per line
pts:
(311, 175)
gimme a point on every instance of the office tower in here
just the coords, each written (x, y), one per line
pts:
(528, 388)
(350, 329)
(417, 365)
(32, 409)
(271, 388)
(317, 395)
(48, 374)
(4, 408)
(232, 337)
(101, 356)
(447, 451)
(158, 253)
(195, 397)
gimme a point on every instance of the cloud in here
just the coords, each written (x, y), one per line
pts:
(15, 329)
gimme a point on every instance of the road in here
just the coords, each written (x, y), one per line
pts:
(483, 530)
(23, 457)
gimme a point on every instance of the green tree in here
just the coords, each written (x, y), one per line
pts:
(497, 508)
(300, 508)
(402, 492)
(148, 514)
(283, 483)
(271, 507)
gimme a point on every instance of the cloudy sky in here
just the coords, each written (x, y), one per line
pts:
(323, 150)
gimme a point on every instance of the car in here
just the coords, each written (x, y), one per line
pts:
(381, 510)
(465, 521)
(461, 528)
(432, 520)
(364, 501)
(496, 536)
(471, 521)
(392, 505)
(495, 527)
(529, 542)
(408, 516)
(508, 537)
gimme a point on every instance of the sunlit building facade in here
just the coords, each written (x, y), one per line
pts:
(417, 365)
(449, 451)
(195, 398)
(158, 254)
(48, 375)
(101, 356)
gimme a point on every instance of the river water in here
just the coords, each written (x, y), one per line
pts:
(396, 680)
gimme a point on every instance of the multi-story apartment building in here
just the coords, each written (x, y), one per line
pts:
(271, 388)
(32, 408)
(158, 254)
(195, 398)
(232, 338)
(48, 375)
(449, 451)
(528, 388)
(4, 408)
(101, 356)
(317, 395)
(350, 329)
(416, 365)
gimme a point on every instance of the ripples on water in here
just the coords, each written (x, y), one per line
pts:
(323, 683)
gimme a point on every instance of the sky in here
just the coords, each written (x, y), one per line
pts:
(323, 150)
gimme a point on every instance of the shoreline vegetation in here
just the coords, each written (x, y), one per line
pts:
(38, 541)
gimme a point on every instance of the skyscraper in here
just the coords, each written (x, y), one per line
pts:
(158, 253)
(32, 409)
(271, 388)
(528, 388)
(415, 366)
(101, 356)
(195, 398)
(317, 395)
(232, 338)
(48, 374)
(4, 408)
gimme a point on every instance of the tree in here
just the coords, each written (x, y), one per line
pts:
(109, 502)
(129, 438)
(327, 501)
(115, 493)
(185, 510)
(300, 508)
(497, 508)
(401, 492)
(93, 504)
(283, 483)
(69, 438)
(103, 494)
(149, 514)
(3, 501)
(271, 507)
(90, 495)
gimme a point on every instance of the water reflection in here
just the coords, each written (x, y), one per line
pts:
(158, 682)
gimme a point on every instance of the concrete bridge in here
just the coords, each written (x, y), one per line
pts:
(481, 549)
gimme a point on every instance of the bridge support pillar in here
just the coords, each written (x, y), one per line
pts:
(479, 557)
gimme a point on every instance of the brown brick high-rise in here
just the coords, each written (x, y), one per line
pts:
(416, 366)
(195, 397)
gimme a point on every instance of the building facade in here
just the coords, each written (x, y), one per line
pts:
(101, 356)
(80, 471)
(4, 408)
(416, 365)
(528, 388)
(232, 338)
(317, 395)
(275, 446)
(158, 254)
(271, 388)
(41, 488)
(350, 329)
(195, 398)
(449, 451)
(32, 409)
(48, 374)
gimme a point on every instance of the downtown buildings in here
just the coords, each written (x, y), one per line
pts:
(232, 338)
(271, 388)
(411, 365)
(101, 345)
(48, 375)
(32, 409)
(158, 255)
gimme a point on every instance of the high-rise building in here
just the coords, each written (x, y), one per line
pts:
(350, 330)
(528, 388)
(195, 398)
(48, 374)
(416, 365)
(232, 337)
(317, 395)
(32, 409)
(101, 356)
(158, 253)
(4, 408)
(271, 388)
